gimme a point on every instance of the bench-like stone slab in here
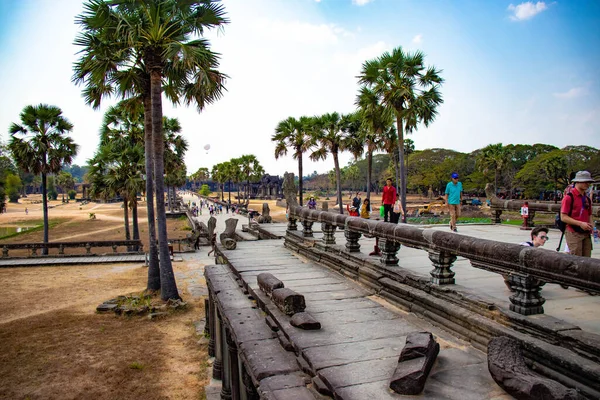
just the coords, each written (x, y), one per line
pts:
(267, 358)
(304, 320)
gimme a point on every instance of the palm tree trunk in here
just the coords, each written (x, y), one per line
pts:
(300, 188)
(338, 178)
(402, 166)
(126, 218)
(168, 286)
(229, 191)
(45, 212)
(153, 284)
(136, 228)
(369, 172)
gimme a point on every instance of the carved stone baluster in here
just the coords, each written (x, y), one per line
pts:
(5, 251)
(233, 367)
(389, 249)
(352, 238)
(442, 262)
(292, 224)
(307, 229)
(226, 373)
(61, 249)
(88, 248)
(497, 219)
(251, 393)
(210, 322)
(530, 222)
(114, 247)
(141, 248)
(526, 299)
(33, 251)
(206, 317)
(218, 364)
(328, 233)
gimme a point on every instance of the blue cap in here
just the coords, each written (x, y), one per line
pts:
(454, 175)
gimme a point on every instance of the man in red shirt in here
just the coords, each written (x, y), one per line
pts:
(388, 198)
(576, 212)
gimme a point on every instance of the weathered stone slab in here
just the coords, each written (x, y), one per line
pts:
(507, 366)
(233, 298)
(287, 381)
(288, 301)
(335, 295)
(338, 305)
(357, 373)
(355, 315)
(315, 288)
(267, 358)
(268, 282)
(248, 325)
(304, 320)
(297, 393)
(349, 353)
(104, 307)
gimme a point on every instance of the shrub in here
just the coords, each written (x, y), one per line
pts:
(72, 194)
(204, 190)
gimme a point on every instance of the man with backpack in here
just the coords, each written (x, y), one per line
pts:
(576, 213)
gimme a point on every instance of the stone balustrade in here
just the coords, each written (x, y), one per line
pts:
(526, 267)
(62, 246)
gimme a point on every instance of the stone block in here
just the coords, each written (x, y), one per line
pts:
(288, 301)
(106, 307)
(304, 320)
(415, 362)
(507, 366)
(268, 282)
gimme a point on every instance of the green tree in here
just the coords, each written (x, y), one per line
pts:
(408, 88)
(294, 134)
(13, 187)
(204, 190)
(65, 182)
(493, 157)
(130, 48)
(330, 134)
(251, 170)
(40, 145)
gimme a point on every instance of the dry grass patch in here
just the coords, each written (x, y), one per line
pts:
(54, 346)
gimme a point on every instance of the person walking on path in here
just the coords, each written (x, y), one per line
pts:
(453, 197)
(525, 215)
(388, 198)
(576, 212)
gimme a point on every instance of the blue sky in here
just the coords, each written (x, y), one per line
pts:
(516, 72)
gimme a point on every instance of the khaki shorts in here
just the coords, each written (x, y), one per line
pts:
(580, 244)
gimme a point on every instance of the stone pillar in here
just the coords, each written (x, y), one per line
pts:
(526, 299)
(389, 249)
(251, 393)
(307, 229)
(218, 364)
(233, 367)
(328, 233)
(441, 273)
(206, 317)
(352, 244)
(497, 219)
(226, 374)
(292, 224)
(211, 326)
(530, 219)
(5, 251)
(61, 249)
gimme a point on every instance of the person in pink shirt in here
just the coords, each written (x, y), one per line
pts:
(576, 212)
(388, 198)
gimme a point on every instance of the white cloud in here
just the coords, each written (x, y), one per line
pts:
(571, 93)
(418, 39)
(361, 2)
(526, 10)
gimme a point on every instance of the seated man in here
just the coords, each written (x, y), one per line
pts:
(539, 237)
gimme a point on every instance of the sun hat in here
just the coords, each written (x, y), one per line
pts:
(583, 176)
(454, 175)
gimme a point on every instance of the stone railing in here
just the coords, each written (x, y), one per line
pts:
(62, 246)
(526, 267)
(248, 358)
(499, 205)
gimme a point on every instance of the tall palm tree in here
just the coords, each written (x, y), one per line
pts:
(40, 145)
(219, 175)
(293, 133)
(330, 134)
(251, 170)
(175, 148)
(493, 157)
(378, 120)
(65, 181)
(122, 39)
(408, 88)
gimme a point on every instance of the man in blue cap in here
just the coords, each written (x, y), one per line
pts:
(453, 197)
